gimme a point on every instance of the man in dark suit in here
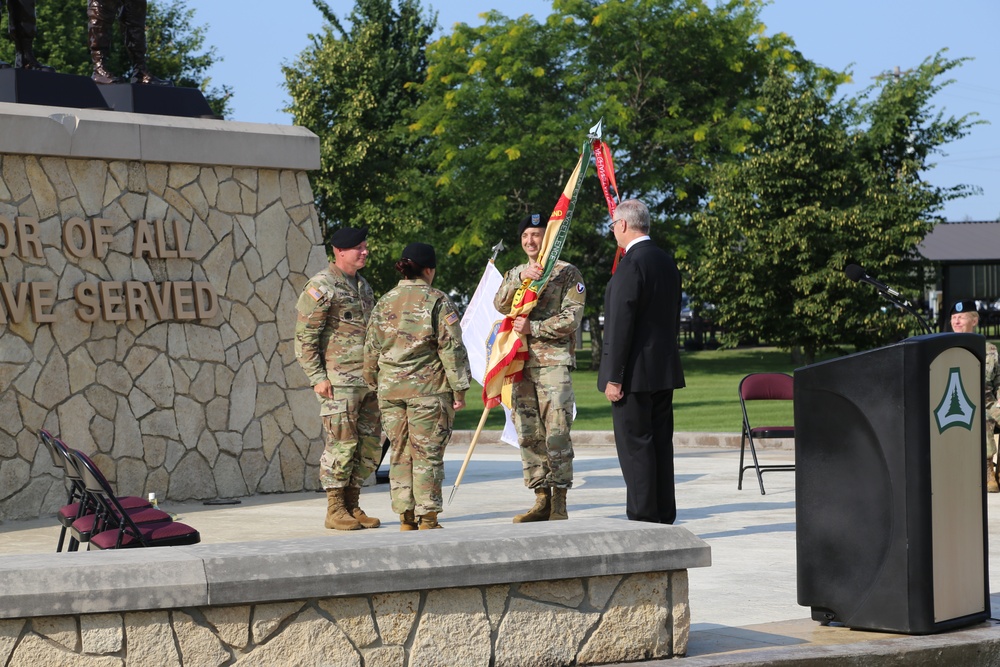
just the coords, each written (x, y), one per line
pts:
(641, 366)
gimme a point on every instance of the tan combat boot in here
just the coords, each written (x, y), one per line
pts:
(352, 494)
(406, 521)
(991, 477)
(540, 510)
(558, 511)
(337, 517)
(429, 521)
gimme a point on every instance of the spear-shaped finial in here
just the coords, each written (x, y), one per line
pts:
(497, 249)
(597, 131)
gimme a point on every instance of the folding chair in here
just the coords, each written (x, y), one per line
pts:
(763, 387)
(75, 506)
(105, 516)
(80, 515)
(128, 533)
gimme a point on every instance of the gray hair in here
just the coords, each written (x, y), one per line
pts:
(635, 214)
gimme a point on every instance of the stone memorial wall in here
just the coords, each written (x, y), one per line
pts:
(149, 269)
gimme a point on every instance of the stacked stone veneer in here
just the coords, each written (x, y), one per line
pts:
(172, 403)
(586, 621)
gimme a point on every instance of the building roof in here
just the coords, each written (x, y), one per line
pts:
(962, 242)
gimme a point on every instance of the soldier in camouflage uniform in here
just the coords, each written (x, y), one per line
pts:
(333, 313)
(964, 319)
(414, 356)
(543, 399)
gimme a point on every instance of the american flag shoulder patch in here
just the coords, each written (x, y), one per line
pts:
(451, 318)
(315, 293)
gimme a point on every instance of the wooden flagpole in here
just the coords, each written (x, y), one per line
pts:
(468, 455)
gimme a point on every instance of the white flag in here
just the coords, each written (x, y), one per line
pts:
(476, 326)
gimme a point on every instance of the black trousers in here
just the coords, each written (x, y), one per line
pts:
(21, 14)
(644, 438)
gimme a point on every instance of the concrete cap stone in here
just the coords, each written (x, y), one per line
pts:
(114, 135)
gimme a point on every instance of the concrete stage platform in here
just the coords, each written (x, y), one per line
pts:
(743, 607)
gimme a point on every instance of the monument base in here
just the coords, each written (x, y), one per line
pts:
(49, 89)
(162, 100)
(562, 593)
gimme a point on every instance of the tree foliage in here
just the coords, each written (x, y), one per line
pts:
(506, 106)
(825, 183)
(354, 88)
(175, 45)
(733, 138)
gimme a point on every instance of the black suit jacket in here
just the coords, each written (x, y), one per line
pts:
(642, 312)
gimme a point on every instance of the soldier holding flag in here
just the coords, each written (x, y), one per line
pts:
(543, 397)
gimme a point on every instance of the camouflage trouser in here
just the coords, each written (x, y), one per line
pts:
(419, 429)
(543, 414)
(353, 437)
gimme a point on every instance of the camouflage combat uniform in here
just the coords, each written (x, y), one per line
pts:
(414, 356)
(992, 384)
(333, 314)
(543, 400)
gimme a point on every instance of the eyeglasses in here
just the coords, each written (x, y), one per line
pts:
(611, 226)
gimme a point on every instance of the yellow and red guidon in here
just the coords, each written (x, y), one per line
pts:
(506, 349)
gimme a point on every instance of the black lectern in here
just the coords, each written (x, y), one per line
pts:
(890, 501)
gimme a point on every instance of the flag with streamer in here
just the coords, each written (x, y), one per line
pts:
(507, 348)
(605, 167)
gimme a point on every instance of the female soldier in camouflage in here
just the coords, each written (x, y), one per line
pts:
(414, 357)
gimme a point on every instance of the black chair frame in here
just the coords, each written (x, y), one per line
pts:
(781, 390)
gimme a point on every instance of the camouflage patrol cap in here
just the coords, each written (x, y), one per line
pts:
(348, 237)
(421, 254)
(531, 220)
(964, 307)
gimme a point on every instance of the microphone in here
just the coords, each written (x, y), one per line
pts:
(856, 273)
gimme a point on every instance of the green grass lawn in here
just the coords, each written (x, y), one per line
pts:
(708, 403)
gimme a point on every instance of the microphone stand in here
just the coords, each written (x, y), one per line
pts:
(907, 306)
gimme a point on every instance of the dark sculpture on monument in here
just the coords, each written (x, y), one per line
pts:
(101, 16)
(139, 91)
(21, 24)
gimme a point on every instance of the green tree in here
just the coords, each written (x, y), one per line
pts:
(507, 105)
(175, 45)
(354, 88)
(825, 183)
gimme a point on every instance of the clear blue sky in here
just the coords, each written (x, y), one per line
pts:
(867, 36)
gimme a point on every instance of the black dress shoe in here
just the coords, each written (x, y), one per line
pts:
(103, 76)
(26, 60)
(145, 77)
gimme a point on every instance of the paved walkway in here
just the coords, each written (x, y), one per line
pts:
(746, 601)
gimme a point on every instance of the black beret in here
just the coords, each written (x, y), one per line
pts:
(964, 307)
(531, 220)
(421, 254)
(348, 237)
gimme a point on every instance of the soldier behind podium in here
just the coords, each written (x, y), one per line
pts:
(333, 313)
(964, 319)
(131, 14)
(21, 25)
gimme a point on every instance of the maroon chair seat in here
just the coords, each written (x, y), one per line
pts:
(763, 387)
(84, 528)
(164, 534)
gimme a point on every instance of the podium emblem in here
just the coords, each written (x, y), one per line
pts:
(955, 408)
